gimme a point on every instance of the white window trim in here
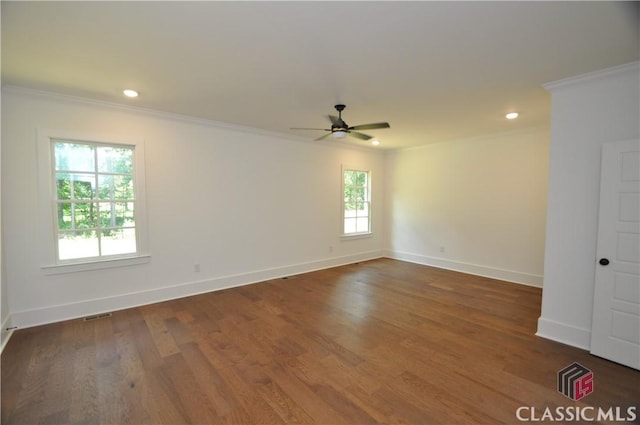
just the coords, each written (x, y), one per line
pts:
(359, 235)
(47, 218)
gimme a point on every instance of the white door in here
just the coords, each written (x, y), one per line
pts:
(615, 329)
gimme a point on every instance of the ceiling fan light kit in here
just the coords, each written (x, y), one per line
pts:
(340, 129)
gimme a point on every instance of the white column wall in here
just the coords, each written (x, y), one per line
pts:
(587, 111)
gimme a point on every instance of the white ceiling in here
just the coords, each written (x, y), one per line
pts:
(435, 71)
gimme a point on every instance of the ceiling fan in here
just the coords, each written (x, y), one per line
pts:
(340, 129)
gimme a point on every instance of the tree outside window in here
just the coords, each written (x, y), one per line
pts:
(95, 199)
(356, 202)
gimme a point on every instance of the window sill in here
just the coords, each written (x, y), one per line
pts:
(356, 236)
(95, 265)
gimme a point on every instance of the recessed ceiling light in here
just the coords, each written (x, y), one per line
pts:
(130, 93)
(375, 142)
(511, 115)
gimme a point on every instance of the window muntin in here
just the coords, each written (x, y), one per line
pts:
(95, 203)
(356, 205)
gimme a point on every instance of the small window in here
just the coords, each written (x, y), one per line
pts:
(356, 205)
(95, 202)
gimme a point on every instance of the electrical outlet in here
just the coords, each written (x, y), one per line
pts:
(442, 249)
(196, 268)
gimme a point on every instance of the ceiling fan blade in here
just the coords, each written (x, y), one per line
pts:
(322, 137)
(334, 120)
(360, 136)
(306, 128)
(372, 126)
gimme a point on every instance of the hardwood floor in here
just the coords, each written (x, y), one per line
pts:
(378, 342)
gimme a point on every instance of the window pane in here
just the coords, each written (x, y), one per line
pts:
(362, 224)
(349, 225)
(117, 214)
(77, 215)
(350, 210)
(77, 245)
(359, 194)
(353, 193)
(115, 160)
(349, 177)
(74, 157)
(74, 186)
(122, 241)
(115, 187)
(65, 216)
(362, 209)
(356, 201)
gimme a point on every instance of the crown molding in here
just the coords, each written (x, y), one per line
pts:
(591, 76)
(536, 129)
(220, 125)
(138, 110)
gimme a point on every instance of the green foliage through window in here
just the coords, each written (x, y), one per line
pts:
(356, 202)
(95, 197)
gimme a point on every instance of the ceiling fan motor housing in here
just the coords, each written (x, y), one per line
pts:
(340, 125)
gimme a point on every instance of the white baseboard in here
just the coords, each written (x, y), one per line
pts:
(5, 332)
(58, 313)
(475, 269)
(563, 333)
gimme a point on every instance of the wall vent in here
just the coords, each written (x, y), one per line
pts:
(96, 317)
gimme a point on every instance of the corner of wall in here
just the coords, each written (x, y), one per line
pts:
(563, 333)
(5, 333)
(468, 268)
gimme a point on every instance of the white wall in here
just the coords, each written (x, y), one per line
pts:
(4, 300)
(587, 111)
(245, 205)
(483, 200)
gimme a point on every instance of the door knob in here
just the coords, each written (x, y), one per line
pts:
(604, 262)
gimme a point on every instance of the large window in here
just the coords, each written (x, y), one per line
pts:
(94, 200)
(356, 205)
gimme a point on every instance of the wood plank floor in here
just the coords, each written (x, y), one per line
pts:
(382, 341)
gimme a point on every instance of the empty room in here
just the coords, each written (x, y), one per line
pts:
(320, 212)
